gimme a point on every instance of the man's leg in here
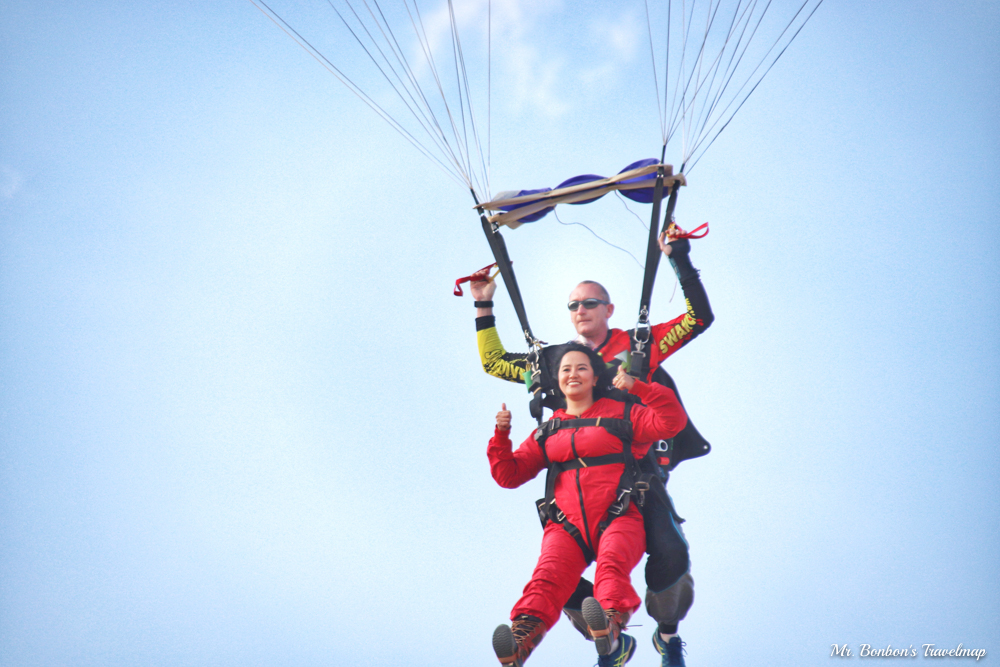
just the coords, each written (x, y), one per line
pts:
(670, 588)
(573, 609)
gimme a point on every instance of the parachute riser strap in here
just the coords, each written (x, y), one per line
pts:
(535, 359)
(643, 329)
(499, 249)
(640, 337)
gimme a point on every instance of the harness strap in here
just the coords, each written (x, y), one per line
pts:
(618, 427)
(643, 331)
(588, 462)
(557, 515)
(536, 361)
(627, 485)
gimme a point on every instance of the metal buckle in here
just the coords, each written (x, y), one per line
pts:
(642, 487)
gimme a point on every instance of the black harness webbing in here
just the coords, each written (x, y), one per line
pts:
(628, 485)
(643, 331)
(536, 361)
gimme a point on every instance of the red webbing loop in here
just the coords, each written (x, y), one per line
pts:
(675, 232)
(480, 275)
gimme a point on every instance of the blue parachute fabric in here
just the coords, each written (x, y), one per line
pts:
(579, 180)
(641, 195)
(534, 216)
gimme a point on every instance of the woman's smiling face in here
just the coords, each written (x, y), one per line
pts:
(576, 376)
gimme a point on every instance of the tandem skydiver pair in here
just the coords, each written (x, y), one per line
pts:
(608, 450)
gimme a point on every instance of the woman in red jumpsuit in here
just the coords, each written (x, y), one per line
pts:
(584, 496)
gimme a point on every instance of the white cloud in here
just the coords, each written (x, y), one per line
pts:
(11, 183)
(529, 74)
(622, 36)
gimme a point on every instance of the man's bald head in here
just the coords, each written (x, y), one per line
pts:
(604, 292)
(591, 323)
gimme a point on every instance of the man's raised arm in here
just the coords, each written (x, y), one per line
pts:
(678, 332)
(496, 361)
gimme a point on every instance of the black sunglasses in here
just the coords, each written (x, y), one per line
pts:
(589, 304)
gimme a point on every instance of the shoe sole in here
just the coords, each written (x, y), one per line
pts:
(597, 624)
(505, 646)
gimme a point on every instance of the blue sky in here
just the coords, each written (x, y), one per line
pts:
(243, 420)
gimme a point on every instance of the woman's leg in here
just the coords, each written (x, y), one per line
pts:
(556, 575)
(559, 567)
(619, 551)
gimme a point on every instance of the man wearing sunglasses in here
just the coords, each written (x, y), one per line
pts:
(670, 588)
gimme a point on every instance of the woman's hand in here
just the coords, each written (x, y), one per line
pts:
(503, 418)
(622, 381)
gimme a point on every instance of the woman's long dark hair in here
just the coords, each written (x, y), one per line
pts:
(601, 370)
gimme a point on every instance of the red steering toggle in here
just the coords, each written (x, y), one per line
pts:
(479, 276)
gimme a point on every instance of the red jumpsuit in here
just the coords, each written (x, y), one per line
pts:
(584, 495)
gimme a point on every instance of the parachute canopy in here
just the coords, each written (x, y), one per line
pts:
(636, 181)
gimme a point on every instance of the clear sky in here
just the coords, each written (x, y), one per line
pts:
(242, 418)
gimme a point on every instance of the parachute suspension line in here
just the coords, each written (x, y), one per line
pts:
(761, 78)
(712, 68)
(462, 141)
(687, 120)
(400, 76)
(489, 96)
(700, 105)
(457, 42)
(676, 118)
(700, 60)
(680, 111)
(425, 45)
(597, 236)
(393, 44)
(656, 79)
(427, 54)
(424, 109)
(666, 80)
(318, 56)
(456, 56)
(421, 32)
(738, 19)
(634, 214)
(429, 58)
(686, 24)
(732, 65)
